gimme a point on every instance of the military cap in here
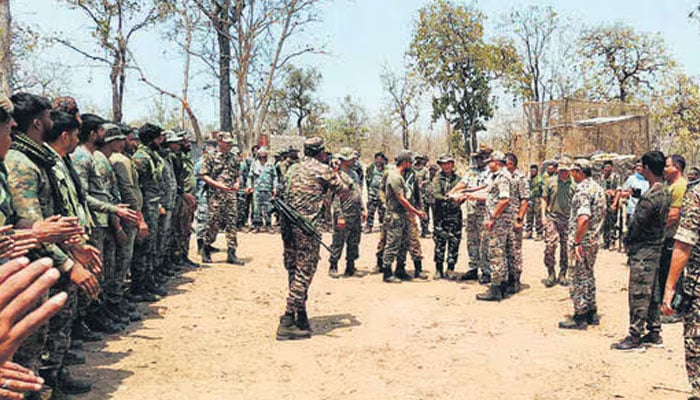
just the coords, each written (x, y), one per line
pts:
(496, 156)
(421, 156)
(314, 143)
(404, 155)
(226, 137)
(445, 158)
(484, 150)
(345, 154)
(172, 137)
(113, 132)
(564, 163)
(581, 164)
(262, 151)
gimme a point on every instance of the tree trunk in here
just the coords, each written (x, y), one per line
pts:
(404, 135)
(299, 130)
(5, 49)
(222, 37)
(188, 61)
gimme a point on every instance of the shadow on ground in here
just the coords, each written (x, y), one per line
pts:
(323, 325)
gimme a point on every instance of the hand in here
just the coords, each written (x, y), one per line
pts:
(518, 225)
(22, 241)
(121, 237)
(57, 229)
(249, 190)
(613, 207)
(85, 280)
(161, 211)
(16, 380)
(274, 192)
(421, 214)
(223, 188)
(190, 201)
(341, 223)
(89, 256)
(364, 215)
(127, 214)
(143, 231)
(666, 307)
(236, 186)
(489, 224)
(22, 285)
(578, 251)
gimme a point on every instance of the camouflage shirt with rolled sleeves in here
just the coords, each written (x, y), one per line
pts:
(93, 183)
(348, 202)
(221, 167)
(149, 166)
(69, 192)
(688, 232)
(520, 190)
(8, 216)
(127, 180)
(648, 224)
(476, 178)
(499, 189)
(309, 182)
(588, 199)
(442, 185)
(189, 181)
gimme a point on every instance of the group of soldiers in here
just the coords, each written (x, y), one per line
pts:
(110, 205)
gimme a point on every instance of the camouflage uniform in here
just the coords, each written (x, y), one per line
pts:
(558, 195)
(374, 178)
(347, 204)
(611, 182)
(184, 170)
(688, 232)
(104, 170)
(644, 240)
(422, 175)
(263, 179)
(168, 201)
(501, 233)
(477, 242)
(520, 190)
(447, 220)
(202, 214)
(242, 196)
(534, 210)
(397, 223)
(413, 194)
(308, 182)
(588, 199)
(224, 168)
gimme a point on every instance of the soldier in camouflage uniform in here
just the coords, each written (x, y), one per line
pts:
(558, 192)
(422, 173)
(168, 201)
(587, 213)
(308, 182)
(245, 193)
(184, 170)
(202, 215)
(415, 197)
(220, 171)
(447, 218)
(611, 183)
(499, 225)
(262, 178)
(348, 213)
(374, 176)
(534, 210)
(520, 198)
(644, 240)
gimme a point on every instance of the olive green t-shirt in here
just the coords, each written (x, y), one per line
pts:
(677, 190)
(394, 184)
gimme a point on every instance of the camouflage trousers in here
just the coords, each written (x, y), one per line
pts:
(109, 266)
(397, 233)
(301, 255)
(556, 233)
(691, 339)
(202, 215)
(348, 237)
(609, 225)
(583, 289)
(123, 257)
(262, 208)
(243, 212)
(644, 291)
(478, 256)
(60, 327)
(500, 239)
(222, 212)
(533, 219)
(146, 250)
(181, 229)
(514, 254)
(164, 238)
(425, 223)
(375, 204)
(447, 234)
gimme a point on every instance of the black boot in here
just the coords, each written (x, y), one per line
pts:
(493, 293)
(401, 272)
(579, 322)
(378, 269)
(439, 273)
(388, 277)
(350, 269)
(333, 270)
(592, 317)
(232, 259)
(73, 357)
(513, 285)
(206, 255)
(100, 323)
(485, 279)
(84, 333)
(471, 275)
(301, 320)
(287, 330)
(70, 385)
(419, 274)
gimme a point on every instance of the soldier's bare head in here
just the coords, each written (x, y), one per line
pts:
(32, 114)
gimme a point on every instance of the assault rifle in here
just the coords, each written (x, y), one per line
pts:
(298, 220)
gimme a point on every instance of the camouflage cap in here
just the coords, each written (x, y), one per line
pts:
(113, 132)
(262, 152)
(496, 156)
(226, 137)
(484, 151)
(564, 164)
(404, 155)
(421, 156)
(581, 164)
(314, 143)
(345, 154)
(172, 137)
(445, 158)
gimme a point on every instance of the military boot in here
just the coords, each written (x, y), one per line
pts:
(388, 277)
(70, 385)
(652, 339)
(200, 245)
(579, 322)
(206, 255)
(350, 269)
(73, 357)
(333, 270)
(82, 332)
(418, 273)
(287, 330)
(514, 285)
(551, 280)
(301, 320)
(232, 259)
(562, 280)
(592, 317)
(76, 344)
(630, 343)
(493, 293)
(470, 275)
(439, 273)
(401, 272)
(485, 279)
(100, 323)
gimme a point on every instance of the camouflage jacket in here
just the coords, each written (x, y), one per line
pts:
(499, 189)
(169, 183)
(149, 166)
(445, 208)
(69, 193)
(189, 182)
(588, 199)
(374, 177)
(348, 202)
(536, 184)
(475, 178)
(221, 167)
(520, 190)
(8, 216)
(648, 224)
(262, 177)
(310, 181)
(127, 180)
(93, 183)
(688, 232)
(612, 182)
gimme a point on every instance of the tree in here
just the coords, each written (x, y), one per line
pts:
(622, 63)
(449, 52)
(404, 94)
(299, 87)
(5, 46)
(350, 127)
(676, 114)
(115, 22)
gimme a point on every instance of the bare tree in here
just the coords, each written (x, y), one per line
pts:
(404, 93)
(5, 43)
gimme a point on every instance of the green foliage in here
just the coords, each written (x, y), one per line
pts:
(676, 114)
(350, 128)
(299, 88)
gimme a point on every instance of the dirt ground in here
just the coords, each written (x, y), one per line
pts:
(213, 338)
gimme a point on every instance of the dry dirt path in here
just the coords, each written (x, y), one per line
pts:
(213, 338)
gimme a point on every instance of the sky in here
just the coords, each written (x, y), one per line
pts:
(362, 37)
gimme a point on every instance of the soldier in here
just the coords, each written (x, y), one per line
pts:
(520, 198)
(374, 176)
(414, 195)
(246, 206)
(348, 213)
(556, 204)
(220, 171)
(399, 210)
(184, 170)
(427, 191)
(308, 181)
(587, 213)
(447, 218)
(202, 215)
(534, 209)
(611, 183)
(262, 178)
(358, 168)
(499, 224)
(422, 173)
(475, 179)
(645, 241)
